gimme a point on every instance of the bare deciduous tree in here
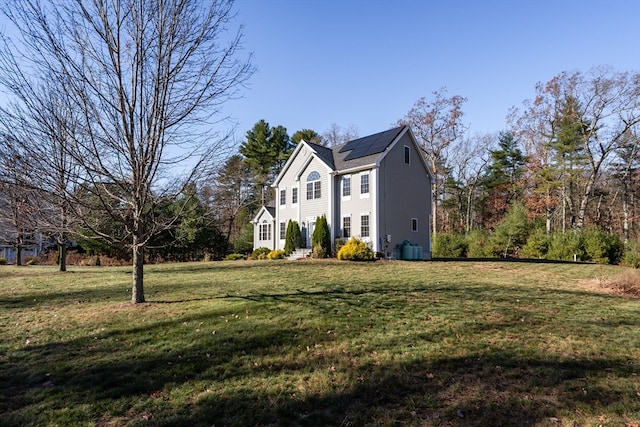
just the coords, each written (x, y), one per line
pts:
(147, 80)
(336, 135)
(437, 124)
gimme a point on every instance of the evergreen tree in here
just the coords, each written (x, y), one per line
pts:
(568, 144)
(293, 239)
(308, 135)
(321, 239)
(265, 151)
(502, 180)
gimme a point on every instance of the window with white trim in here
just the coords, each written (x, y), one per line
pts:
(294, 196)
(283, 197)
(346, 186)
(313, 186)
(283, 230)
(364, 183)
(346, 227)
(265, 231)
(364, 226)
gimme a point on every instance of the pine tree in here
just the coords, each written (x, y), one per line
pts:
(502, 180)
(266, 150)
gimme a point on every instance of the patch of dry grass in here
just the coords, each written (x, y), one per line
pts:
(627, 283)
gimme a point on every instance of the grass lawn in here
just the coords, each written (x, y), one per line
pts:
(319, 343)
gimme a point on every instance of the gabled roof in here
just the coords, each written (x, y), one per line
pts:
(324, 153)
(268, 209)
(355, 154)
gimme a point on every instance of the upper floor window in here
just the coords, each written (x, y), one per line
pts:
(283, 197)
(294, 196)
(313, 186)
(407, 155)
(346, 186)
(364, 183)
(414, 224)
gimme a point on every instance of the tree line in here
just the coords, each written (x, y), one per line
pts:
(107, 140)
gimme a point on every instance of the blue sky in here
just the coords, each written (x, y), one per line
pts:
(365, 63)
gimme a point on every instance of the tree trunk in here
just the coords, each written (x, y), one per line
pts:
(549, 212)
(137, 290)
(62, 256)
(18, 254)
(584, 199)
(625, 211)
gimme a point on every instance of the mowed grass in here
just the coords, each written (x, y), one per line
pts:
(319, 343)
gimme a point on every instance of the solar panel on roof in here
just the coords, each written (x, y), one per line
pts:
(369, 145)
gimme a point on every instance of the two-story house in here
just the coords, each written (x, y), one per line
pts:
(376, 188)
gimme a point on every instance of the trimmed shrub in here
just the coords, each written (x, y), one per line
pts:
(322, 236)
(319, 252)
(31, 261)
(235, 257)
(449, 245)
(293, 238)
(260, 253)
(3, 261)
(601, 247)
(564, 245)
(276, 254)
(478, 244)
(631, 256)
(355, 250)
(537, 245)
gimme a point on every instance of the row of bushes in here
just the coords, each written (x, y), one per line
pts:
(352, 250)
(590, 244)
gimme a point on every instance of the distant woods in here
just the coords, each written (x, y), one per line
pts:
(560, 181)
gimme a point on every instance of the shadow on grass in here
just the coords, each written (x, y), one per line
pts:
(230, 384)
(490, 388)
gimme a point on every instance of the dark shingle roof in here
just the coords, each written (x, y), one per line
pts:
(363, 151)
(325, 154)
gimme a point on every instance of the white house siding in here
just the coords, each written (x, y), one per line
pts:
(306, 211)
(404, 193)
(357, 205)
(311, 209)
(264, 243)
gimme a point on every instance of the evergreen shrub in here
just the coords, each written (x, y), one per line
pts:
(537, 245)
(235, 257)
(293, 238)
(601, 247)
(478, 244)
(321, 236)
(355, 250)
(3, 261)
(564, 245)
(449, 245)
(631, 256)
